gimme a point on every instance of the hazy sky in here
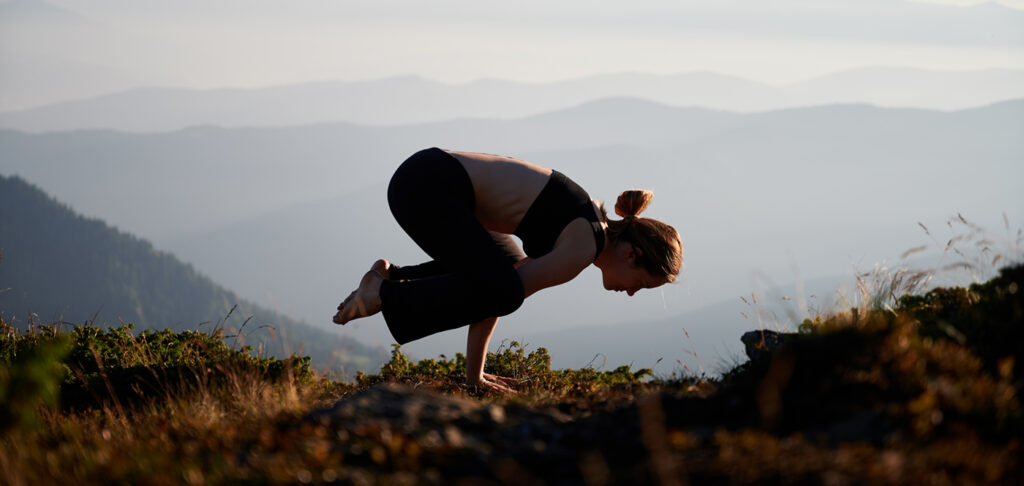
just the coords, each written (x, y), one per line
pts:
(250, 43)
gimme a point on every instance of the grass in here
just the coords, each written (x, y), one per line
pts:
(905, 388)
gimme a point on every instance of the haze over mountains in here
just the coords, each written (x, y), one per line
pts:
(414, 100)
(292, 216)
(62, 50)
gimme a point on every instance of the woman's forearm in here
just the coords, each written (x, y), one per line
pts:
(476, 348)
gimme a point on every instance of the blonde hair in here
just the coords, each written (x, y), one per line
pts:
(661, 247)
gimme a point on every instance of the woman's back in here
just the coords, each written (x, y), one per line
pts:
(504, 188)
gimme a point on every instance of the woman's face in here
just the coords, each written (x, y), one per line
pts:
(622, 274)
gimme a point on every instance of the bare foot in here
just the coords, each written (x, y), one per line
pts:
(364, 301)
(347, 300)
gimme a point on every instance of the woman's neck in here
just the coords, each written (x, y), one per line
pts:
(607, 253)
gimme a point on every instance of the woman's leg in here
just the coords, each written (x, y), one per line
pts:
(433, 268)
(365, 300)
(431, 197)
(412, 272)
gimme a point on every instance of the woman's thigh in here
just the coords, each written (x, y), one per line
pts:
(431, 198)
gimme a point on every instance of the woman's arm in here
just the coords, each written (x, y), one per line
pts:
(573, 252)
(549, 270)
(476, 352)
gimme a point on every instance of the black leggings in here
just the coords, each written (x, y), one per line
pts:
(471, 277)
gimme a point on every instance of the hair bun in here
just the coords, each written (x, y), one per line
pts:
(633, 202)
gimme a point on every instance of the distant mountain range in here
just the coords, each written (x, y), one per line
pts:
(65, 51)
(56, 266)
(414, 100)
(200, 178)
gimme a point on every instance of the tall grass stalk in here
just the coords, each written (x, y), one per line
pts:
(970, 248)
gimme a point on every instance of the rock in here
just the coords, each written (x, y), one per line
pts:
(402, 407)
(871, 426)
(762, 343)
(458, 436)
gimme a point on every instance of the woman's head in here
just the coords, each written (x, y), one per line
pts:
(644, 252)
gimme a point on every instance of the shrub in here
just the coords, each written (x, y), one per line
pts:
(31, 375)
(939, 364)
(988, 318)
(532, 369)
(95, 366)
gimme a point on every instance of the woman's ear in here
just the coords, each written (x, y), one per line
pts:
(634, 253)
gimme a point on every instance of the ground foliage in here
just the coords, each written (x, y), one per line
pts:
(89, 367)
(926, 391)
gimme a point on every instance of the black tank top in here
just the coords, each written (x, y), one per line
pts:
(560, 202)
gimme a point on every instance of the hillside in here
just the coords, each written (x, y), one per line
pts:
(57, 266)
(926, 390)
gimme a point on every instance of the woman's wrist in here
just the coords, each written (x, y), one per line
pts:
(474, 377)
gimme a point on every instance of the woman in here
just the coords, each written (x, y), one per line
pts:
(460, 208)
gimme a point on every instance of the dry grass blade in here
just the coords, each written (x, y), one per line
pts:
(882, 287)
(916, 249)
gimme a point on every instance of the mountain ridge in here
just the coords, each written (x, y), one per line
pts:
(404, 100)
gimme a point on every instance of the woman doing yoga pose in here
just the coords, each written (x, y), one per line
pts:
(460, 208)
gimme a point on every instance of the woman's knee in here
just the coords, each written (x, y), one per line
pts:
(506, 295)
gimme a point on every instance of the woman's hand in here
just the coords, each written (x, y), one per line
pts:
(494, 384)
(504, 380)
